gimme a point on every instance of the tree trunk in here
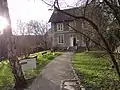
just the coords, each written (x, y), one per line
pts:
(87, 47)
(115, 63)
(20, 81)
(87, 44)
(36, 43)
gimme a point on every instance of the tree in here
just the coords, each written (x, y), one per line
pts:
(38, 29)
(24, 35)
(22, 49)
(20, 81)
(112, 5)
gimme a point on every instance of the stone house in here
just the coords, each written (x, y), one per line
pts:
(63, 36)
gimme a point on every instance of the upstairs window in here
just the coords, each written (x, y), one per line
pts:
(60, 39)
(60, 27)
(72, 24)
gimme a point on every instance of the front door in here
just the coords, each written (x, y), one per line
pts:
(74, 41)
(71, 41)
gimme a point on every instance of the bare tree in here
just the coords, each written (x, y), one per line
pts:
(20, 81)
(38, 29)
(114, 6)
(24, 40)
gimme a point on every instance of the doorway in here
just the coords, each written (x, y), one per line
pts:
(74, 41)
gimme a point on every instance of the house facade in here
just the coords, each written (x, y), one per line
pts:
(62, 28)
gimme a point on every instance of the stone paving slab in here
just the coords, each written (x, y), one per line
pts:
(51, 76)
(71, 84)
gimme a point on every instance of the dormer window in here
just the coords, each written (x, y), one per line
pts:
(59, 26)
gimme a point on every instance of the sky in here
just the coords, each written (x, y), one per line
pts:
(27, 10)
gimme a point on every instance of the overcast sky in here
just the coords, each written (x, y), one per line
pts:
(31, 10)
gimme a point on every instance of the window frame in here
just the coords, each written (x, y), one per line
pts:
(60, 39)
(60, 26)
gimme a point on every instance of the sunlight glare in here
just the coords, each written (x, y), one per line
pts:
(3, 23)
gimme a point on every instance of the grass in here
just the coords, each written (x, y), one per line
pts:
(42, 60)
(6, 76)
(95, 71)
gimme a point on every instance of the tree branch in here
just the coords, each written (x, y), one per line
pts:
(47, 3)
(100, 34)
(86, 36)
(85, 7)
(109, 4)
(116, 11)
(92, 24)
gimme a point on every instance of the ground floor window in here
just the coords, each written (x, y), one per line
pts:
(61, 39)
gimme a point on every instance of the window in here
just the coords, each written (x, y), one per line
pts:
(61, 39)
(60, 26)
(72, 24)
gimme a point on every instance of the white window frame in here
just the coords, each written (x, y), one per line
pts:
(60, 27)
(72, 24)
(60, 40)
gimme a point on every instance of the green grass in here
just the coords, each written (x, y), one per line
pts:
(6, 76)
(42, 60)
(95, 71)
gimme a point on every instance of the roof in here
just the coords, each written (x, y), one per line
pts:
(58, 16)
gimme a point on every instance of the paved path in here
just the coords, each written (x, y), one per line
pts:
(51, 76)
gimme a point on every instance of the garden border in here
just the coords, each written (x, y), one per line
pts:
(76, 76)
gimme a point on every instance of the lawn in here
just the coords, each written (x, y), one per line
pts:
(6, 76)
(95, 72)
